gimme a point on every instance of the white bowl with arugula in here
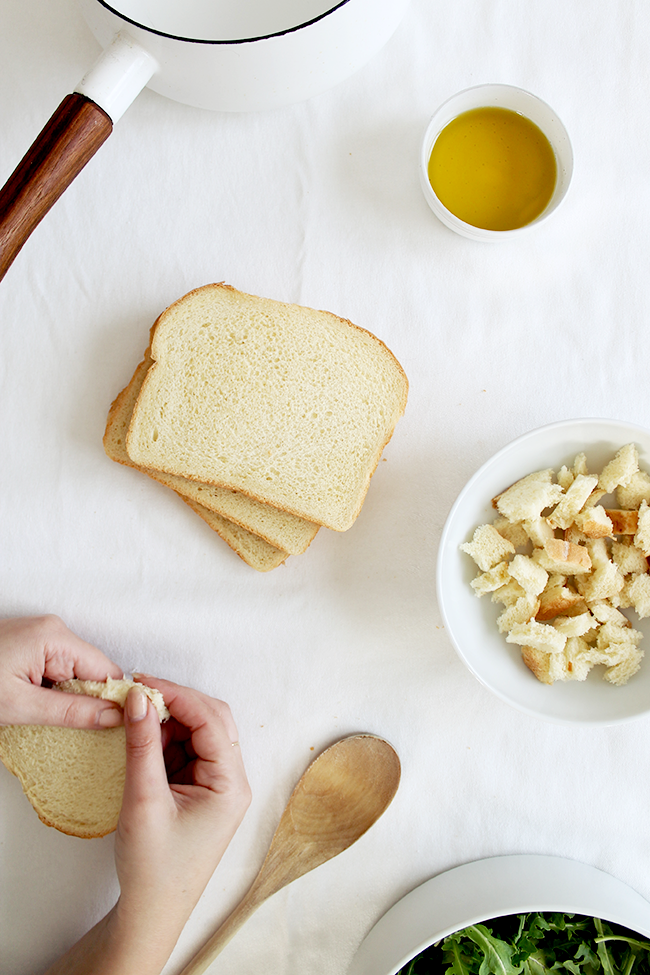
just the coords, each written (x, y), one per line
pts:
(513, 914)
(471, 622)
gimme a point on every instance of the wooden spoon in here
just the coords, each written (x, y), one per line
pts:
(340, 795)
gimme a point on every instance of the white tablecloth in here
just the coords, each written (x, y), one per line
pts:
(320, 204)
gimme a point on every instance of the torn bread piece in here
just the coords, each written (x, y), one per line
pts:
(508, 594)
(492, 579)
(604, 612)
(114, 690)
(528, 573)
(528, 497)
(488, 547)
(74, 778)
(636, 594)
(605, 582)
(594, 522)
(523, 610)
(636, 490)
(558, 599)
(538, 531)
(620, 470)
(571, 663)
(565, 511)
(558, 556)
(516, 533)
(642, 534)
(629, 558)
(620, 673)
(540, 635)
(545, 666)
(577, 625)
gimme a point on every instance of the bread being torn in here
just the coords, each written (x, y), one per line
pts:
(563, 565)
(74, 778)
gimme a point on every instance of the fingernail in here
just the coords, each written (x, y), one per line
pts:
(136, 704)
(110, 718)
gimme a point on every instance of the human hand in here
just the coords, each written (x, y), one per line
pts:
(185, 794)
(42, 648)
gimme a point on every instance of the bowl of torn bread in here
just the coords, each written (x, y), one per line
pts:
(543, 578)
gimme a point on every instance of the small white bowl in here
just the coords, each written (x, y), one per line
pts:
(471, 621)
(517, 100)
(495, 887)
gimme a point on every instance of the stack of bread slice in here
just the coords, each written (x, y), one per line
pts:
(267, 419)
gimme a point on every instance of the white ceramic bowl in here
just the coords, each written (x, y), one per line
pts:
(471, 622)
(517, 100)
(496, 887)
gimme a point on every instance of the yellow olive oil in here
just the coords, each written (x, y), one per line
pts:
(493, 168)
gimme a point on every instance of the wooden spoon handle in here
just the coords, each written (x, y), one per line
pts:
(206, 955)
(70, 138)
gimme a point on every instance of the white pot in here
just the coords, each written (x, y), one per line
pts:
(243, 56)
(225, 55)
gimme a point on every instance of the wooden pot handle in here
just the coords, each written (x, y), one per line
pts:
(70, 138)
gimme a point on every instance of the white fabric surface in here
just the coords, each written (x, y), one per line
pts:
(319, 203)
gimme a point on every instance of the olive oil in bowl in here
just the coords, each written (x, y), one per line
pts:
(493, 168)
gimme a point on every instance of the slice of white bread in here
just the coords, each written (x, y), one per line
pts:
(284, 533)
(74, 778)
(288, 405)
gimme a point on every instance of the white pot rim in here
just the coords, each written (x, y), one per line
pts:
(216, 42)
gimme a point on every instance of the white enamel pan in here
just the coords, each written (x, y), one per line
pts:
(224, 55)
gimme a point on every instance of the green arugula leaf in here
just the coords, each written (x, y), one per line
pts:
(497, 958)
(536, 944)
(455, 957)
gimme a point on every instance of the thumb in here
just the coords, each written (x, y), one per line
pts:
(146, 777)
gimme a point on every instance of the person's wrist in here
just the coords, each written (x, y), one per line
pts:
(111, 947)
(146, 929)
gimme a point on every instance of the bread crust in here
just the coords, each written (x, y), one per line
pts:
(624, 522)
